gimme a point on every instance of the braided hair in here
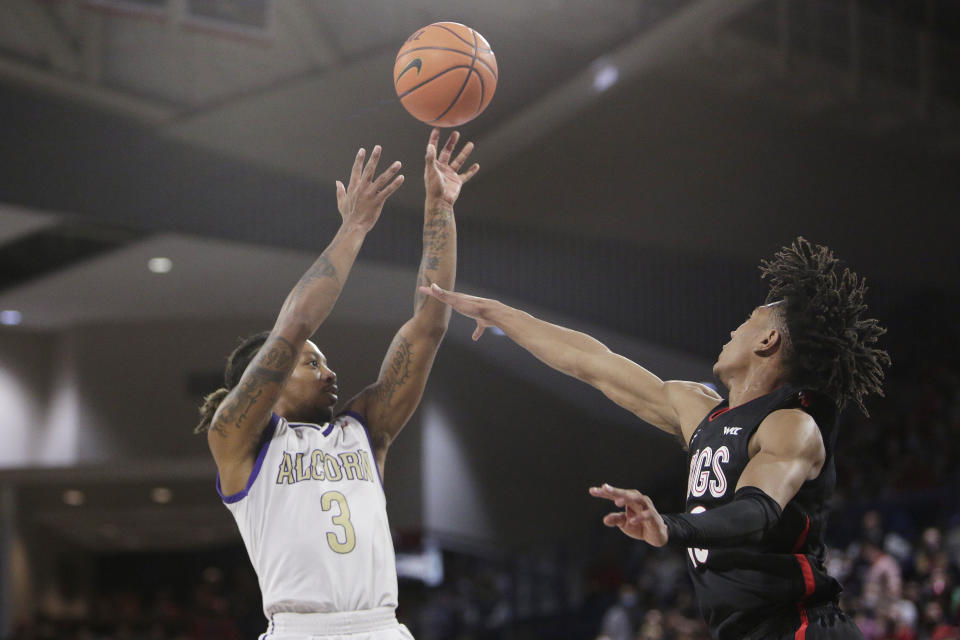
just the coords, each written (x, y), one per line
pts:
(830, 346)
(237, 363)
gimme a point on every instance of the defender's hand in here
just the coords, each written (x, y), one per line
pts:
(470, 306)
(639, 518)
(361, 201)
(440, 173)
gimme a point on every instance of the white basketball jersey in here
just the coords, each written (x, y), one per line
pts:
(313, 517)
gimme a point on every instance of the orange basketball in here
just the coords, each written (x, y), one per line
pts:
(445, 74)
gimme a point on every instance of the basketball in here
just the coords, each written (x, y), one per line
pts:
(445, 74)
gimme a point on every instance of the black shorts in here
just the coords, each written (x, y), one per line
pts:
(822, 622)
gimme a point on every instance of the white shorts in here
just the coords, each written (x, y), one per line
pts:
(370, 624)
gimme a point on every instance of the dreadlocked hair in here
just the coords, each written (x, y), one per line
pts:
(830, 346)
(237, 363)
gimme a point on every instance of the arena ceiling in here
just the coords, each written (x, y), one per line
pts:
(728, 126)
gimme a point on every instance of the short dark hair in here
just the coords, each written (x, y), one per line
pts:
(237, 363)
(831, 345)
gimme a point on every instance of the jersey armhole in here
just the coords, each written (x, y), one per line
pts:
(267, 437)
(366, 430)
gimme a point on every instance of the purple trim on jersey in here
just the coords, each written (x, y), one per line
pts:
(326, 431)
(271, 429)
(363, 423)
(304, 424)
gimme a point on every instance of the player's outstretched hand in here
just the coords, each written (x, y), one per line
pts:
(639, 518)
(470, 306)
(441, 174)
(361, 201)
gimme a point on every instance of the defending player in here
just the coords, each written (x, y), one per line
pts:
(303, 484)
(761, 464)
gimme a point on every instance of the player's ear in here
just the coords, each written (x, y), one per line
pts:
(768, 343)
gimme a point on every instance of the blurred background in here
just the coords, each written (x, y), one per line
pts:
(168, 173)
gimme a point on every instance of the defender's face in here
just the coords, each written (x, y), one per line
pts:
(743, 341)
(311, 390)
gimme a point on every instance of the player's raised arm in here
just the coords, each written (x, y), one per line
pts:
(244, 412)
(674, 406)
(387, 404)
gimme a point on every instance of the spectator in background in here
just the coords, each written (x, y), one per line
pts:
(882, 583)
(652, 626)
(936, 625)
(620, 620)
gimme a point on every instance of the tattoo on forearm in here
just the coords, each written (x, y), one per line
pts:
(435, 237)
(423, 280)
(435, 234)
(271, 365)
(276, 356)
(397, 371)
(322, 268)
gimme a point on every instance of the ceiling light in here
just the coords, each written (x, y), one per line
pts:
(10, 317)
(160, 265)
(74, 497)
(605, 75)
(161, 495)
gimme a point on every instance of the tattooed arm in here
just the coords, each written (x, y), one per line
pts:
(243, 414)
(388, 403)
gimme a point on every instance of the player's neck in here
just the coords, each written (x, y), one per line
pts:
(755, 381)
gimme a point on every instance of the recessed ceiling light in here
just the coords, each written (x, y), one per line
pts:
(161, 495)
(160, 265)
(10, 317)
(74, 497)
(605, 75)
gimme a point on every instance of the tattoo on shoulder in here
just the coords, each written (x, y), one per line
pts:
(397, 370)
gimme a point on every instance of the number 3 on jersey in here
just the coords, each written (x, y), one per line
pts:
(342, 520)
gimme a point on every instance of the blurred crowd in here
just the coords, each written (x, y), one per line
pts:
(210, 609)
(896, 587)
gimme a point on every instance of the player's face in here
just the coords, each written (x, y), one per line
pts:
(743, 341)
(311, 391)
